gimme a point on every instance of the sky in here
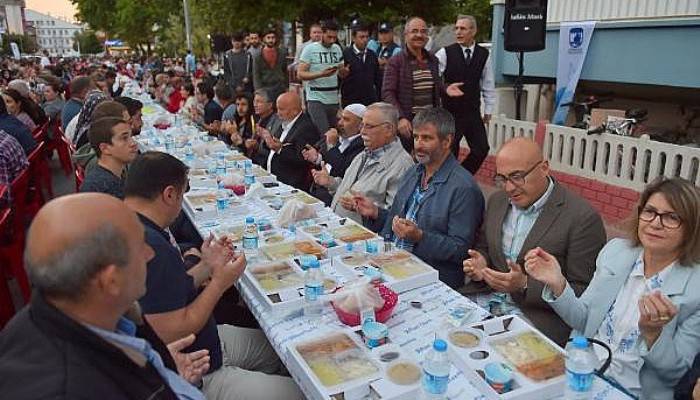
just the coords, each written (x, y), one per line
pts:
(60, 8)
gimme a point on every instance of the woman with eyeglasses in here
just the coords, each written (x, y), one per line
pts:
(644, 299)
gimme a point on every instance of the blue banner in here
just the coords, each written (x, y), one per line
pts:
(574, 38)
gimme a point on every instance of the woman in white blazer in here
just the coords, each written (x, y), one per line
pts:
(644, 299)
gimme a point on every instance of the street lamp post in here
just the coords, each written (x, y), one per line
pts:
(188, 34)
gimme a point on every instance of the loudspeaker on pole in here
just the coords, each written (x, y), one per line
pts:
(525, 25)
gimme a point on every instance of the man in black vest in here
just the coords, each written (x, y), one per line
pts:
(468, 63)
(362, 84)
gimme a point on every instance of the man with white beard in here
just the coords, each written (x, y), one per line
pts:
(438, 207)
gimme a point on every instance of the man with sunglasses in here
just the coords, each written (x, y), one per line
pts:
(532, 210)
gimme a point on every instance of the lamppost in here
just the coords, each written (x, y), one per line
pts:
(188, 34)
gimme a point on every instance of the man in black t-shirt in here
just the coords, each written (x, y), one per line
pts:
(111, 139)
(241, 358)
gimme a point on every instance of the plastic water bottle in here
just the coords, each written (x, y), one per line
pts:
(169, 143)
(248, 177)
(581, 362)
(250, 235)
(313, 290)
(436, 371)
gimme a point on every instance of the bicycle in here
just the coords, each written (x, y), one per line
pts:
(583, 109)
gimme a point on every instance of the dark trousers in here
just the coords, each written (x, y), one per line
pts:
(472, 128)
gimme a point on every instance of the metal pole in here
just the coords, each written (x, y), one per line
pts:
(188, 34)
(519, 85)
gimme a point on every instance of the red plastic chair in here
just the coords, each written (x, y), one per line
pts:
(40, 173)
(12, 248)
(79, 177)
(63, 146)
(41, 133)
(7, 307)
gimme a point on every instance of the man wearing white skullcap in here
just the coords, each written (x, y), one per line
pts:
(338, 148)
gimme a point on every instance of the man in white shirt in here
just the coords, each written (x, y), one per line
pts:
(470, 64)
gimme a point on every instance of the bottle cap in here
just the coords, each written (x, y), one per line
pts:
(249, 220)
(439, 345)
(580, 342)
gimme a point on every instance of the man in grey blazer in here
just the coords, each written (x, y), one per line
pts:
(532, 210)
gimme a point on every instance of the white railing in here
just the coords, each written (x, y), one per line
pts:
(618, 160)
(502, 129)
(602, 10)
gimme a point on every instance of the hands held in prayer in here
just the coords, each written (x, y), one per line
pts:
(310, 154)
(383, 61)
(226, 266)
(251, 144)
(655, 311)
(227, 274)
(406, 229)
(216, 252)
(361, 204)
(272, 142)
(191, 366)
(506, 282)
(474, 266)
(331, 137)
(545, 268)
(321, 177)
(454, 90)
(405, 128)
(486, 118)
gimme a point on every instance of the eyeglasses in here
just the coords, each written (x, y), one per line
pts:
(669, 220)
(370, 126)
(418, 31)
(517, 178)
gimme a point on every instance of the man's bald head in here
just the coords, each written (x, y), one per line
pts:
(73, 237)
(521, 148)
(521, 166)
(288, 106)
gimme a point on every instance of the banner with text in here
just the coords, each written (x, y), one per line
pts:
(574, 38)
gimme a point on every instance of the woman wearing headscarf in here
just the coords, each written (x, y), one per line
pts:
(92, 100)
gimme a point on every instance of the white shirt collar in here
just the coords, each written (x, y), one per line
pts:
(471, 48)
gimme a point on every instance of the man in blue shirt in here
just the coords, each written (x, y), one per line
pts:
(438, 207)
(177, 303)
(74, 340)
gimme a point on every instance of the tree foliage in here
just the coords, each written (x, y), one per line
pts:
(89, 44)
(26, 43)
(143, 23)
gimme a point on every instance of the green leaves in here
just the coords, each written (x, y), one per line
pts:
(140, 22)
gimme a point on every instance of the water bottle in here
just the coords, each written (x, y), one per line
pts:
(250, 234)
(248, 177)
(436, 371)
(313, 290)
(169, 143)
(581, 362)
(221, 168)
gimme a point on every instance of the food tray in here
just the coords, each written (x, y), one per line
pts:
(291, 249)
(336, 362)
(401, 270)
(536, 361)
